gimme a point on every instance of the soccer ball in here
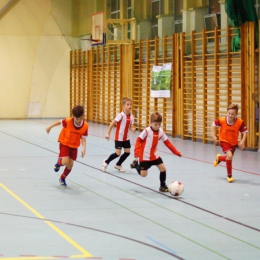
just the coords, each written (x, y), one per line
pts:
(176, 188)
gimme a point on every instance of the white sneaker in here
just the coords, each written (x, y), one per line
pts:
(104, 166)
(120, 168)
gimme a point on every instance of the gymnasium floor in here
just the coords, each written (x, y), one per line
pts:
(122, 215)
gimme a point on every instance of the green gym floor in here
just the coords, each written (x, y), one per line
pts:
(115, 215)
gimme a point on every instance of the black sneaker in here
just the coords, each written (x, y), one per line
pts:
(56, 167)
(164, 189)
(62, 182)
(134, 164)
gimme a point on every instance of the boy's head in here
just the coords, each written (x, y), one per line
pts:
(155, 121)
(126, 104)
(78, 113)
(232, 111)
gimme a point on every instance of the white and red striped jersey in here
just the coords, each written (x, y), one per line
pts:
(146, 144)
(123, 123)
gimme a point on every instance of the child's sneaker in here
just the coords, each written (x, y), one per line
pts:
(164, 189)
(230, 178)
(217, 161)
(119, 167)
(104, 166)
(56, 167)
(134, 164)
(62, 182)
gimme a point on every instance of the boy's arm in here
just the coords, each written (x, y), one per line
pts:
(48, 129)
(83, 142)
(132, 128)
(242, 142)
(112, 124)
(172, 148)
(137, 147)
(213, 133)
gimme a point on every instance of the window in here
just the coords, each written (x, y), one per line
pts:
(155, 11)
(214, 7)
(129, 15)
(114, 9)
(177, 24)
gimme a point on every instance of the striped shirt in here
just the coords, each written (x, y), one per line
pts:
(146, 144)
(123, 123)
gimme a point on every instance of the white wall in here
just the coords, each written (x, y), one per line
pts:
(34, 63)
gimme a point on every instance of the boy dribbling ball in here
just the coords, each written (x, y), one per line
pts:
(230, 126)
(74, 131)
(146, 150)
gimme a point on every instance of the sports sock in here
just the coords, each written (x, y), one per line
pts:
(65, 173)
(111, 158)
(222, 158)
(162, 178)
(122, 158)
(229, 167)
(138, 168)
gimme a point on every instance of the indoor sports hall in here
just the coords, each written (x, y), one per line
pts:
(113, 215)
(187, 60)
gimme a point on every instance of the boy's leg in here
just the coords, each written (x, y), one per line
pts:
(229, 166)
(109, 159)
(68, 162)
(163, 186)
(122, 158)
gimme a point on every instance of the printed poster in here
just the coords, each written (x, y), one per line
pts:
(161, 81)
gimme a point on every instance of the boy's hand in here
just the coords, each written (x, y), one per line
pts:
(107, 136)
(215, 140)
(180, 155)
(83, 152)
(242, 146)
(133, 129)
(48, 129)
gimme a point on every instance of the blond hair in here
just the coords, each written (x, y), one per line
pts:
(156, 117)
(233, 106)
(125, 99)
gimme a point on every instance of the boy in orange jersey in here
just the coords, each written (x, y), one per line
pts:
(146, 150)
(123, 122)
(74, 130)
(230, 126)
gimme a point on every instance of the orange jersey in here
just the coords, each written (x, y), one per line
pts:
(70, 134)
(229, 132)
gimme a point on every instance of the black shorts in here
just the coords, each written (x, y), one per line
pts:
(147, 164)
(122, 144)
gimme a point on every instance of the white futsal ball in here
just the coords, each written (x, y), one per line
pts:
(176, 188)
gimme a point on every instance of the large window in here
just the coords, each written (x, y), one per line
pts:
(129, 15)
(114, 9)
(177, 24)
(156, 7)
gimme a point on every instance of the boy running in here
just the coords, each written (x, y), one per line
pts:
(74, 130)
(230, 126)
(146, 150)
(123, 122)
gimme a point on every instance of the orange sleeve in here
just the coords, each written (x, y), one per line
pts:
(171, 147)
(138, 147)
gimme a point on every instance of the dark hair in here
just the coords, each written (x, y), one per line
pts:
(233, 106)
(156, 117)
(78, 111)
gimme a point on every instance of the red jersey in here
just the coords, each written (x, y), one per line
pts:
(123, 123)
(71, 134)
(229, 132)
(146, 144)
